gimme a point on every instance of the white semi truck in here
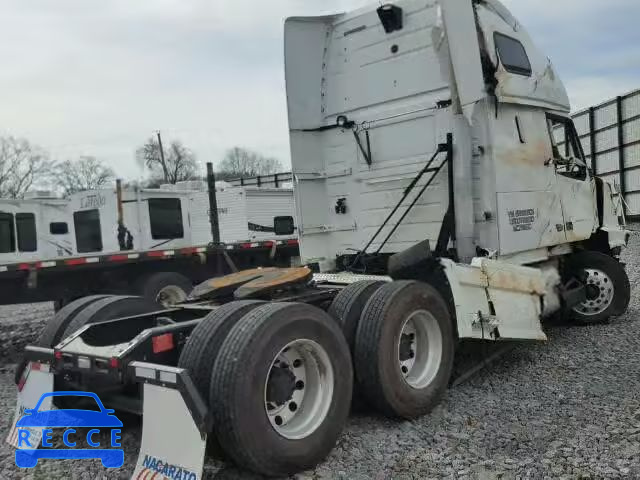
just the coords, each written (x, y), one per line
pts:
(433, 205)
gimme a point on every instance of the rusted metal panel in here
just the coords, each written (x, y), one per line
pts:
(274, 280)
(497, 300)
(224, 286)
(252, 283)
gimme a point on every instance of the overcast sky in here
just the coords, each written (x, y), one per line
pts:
(82, 77)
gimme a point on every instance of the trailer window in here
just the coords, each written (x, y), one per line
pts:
(58, 228)
(512, 55)
(26, 227)
(7, 234)
(283, 225)
(88, 233)
(165, 217)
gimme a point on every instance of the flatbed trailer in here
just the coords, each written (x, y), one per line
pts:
(151, 273)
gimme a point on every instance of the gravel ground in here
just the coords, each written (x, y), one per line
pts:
(566, 409)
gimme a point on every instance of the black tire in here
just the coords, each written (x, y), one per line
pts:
(380, 380)
(201, 349)
(347, 306)
(150, 286)
(55, 327)
(110, 308)
(238, 397)
(577, 265)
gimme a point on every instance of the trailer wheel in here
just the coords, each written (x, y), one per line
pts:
(110, 308)
(165, 288)
(201, 349)
(607, 287)
(281, 388)
(404, 349)
(347, 306)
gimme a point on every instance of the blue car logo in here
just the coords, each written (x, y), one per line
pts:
(34, 425)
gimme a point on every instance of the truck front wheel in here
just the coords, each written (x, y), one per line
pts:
(607, 287)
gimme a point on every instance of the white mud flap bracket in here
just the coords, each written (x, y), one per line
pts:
(496, 300)
(35, 380)
(175, 424)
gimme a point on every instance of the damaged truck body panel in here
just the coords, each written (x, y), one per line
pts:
(383, 101)
(460, 67)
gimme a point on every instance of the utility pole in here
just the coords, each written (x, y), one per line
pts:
(164, 164)
(213, 204)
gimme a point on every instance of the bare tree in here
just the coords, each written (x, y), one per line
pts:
(22, 165)
(174, 165)
(86, 173)
(241, 162)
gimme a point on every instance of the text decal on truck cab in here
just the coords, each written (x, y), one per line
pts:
(522, 220)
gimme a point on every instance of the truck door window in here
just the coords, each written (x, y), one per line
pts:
(88, 232)
(512, 55)
(568, 156)
(7, 234)
(26, 228)
(165, 217)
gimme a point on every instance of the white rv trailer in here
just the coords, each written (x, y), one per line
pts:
(423, 148)
(34, 228)
(245, 214)
(169, 219)
(42, 236)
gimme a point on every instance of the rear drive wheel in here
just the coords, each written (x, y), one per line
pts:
(607, 287)
(201, 350)
(281, 388)
(107, 308)
(347, 306)
(56, 325)
(404, 349)
(165, 288)
(110, 308)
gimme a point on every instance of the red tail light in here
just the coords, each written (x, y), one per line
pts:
(114, 363)
(58, 355)
(162, 343)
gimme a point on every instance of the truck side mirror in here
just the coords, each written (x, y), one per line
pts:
(283, 225)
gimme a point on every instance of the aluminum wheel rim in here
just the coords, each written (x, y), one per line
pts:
(600, 293)
(171, 295)
(420, 349)
(307, 365)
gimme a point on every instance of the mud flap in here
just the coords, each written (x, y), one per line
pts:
(36, 379)
(175, 424)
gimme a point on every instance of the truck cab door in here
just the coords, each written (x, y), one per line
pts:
(528, 199)
(575, 184)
